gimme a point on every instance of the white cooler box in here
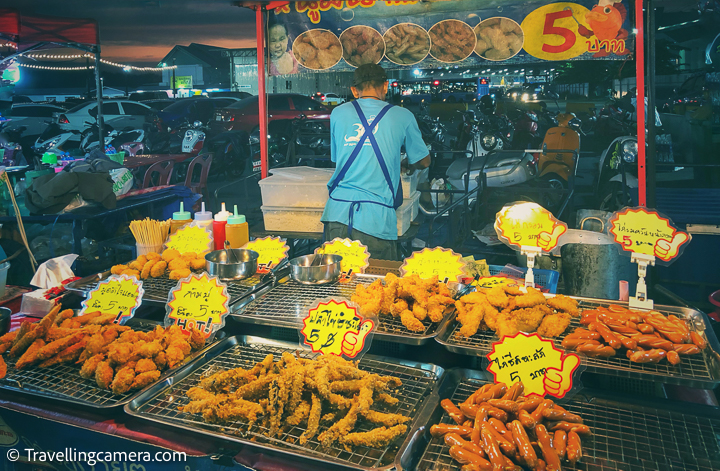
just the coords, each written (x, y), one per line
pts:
(292, 219)
(302, 187)
(407, 213)
(409, 184)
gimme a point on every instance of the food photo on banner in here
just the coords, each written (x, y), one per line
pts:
(342, 35)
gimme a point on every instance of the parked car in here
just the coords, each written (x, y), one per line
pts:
(192, 109)
(143, 96)
(33, 117)
(333, 99)
(238, 95)
(160, 104)
(693, 93)
(117, 113)
(243, 115)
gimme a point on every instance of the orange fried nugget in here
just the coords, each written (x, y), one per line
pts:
(104, 375)
(153, 256)
(180, 274)
(144, 365)
(145, 273)
(123, 381)
(197, 264)
(410, 322)
(565, 304)
(158, 269)
(170, 254)
(187, 256)
(131, 272)
(144, 379)
(178, 264)
(554, 325)
(118, 269)
(139, 263)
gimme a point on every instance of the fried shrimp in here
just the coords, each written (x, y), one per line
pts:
(411, 322)
(375, 438)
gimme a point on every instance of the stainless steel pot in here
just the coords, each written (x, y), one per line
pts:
(325, 270)
(232, 264)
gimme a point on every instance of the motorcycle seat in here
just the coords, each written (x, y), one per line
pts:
(460, 166)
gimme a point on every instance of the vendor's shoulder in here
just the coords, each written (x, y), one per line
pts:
(342, 109)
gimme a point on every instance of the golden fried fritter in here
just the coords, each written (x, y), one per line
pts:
(180, 274)
(153, 256)
(376, 438)
(144, 365)
(197, 264)
(178, 264)
(144, 379)
(532, 298)
(554, 325)
(145, 273)
(170, 254)
(104, 375)
(123, 381)
(565, 304)
(528, 319)
(158, 269)
(411, 322)
(497, 297)
(188, 256)
(131, 272)
(88, 369)
(118, 269)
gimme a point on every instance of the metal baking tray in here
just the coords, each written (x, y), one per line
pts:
(158, 289)
(629, 434)
(64, 383)
(697, 371)
(161, 402)
(283, 305)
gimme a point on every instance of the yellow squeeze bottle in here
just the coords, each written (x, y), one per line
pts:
(237, 231)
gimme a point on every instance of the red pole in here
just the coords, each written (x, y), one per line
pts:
(262, 97)
(640, 107)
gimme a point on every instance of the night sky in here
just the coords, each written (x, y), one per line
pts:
(141, 32)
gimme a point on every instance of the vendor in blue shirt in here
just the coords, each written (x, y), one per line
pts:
(365, 189)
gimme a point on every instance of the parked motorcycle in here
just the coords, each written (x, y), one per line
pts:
(10, 142)
(56, 139)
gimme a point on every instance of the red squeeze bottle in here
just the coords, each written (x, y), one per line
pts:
(219, 228)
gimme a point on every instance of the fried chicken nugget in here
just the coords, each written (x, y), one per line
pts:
(144, 379)
(399, 306)
(512, 290)
(170, 254)
(419, 312)
(144, 365)
(565, 304)
(197, 264)
(104, 375)
(178, 264)
(528, 319)
(180, 274)
(153, 256)
(123, 381)
(158, 269)
(411, 322)
(188, 256)
(139, 263)
(174, 356)
(506, 326)
(118, 269)
(88, 369)
(3, 368)
(497, 297)
(145, 273)
(554, 325)
(472, 319)
(532, 298)
(131, 272)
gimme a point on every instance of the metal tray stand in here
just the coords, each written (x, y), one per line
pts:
(63, 382)
(698, 371)
(161, 403)
(284, 304)
(158, 289)
(627, 436)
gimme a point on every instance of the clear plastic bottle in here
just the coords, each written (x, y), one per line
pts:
(204, 218)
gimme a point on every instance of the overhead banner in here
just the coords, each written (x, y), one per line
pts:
(342, 35)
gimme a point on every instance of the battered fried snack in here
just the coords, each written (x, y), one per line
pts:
(565, 304)
(158, 269)
(68, 355)
(30, 356)
(88, 368)
(143, 380)
(3, 368)
(197, 264)
(452, 41)
(104, 375)
(406, 43)
(169, 255)
(317, 49)
(375, 438)
(180, 274)
(123, 381)
(362, 45)
(498, 38)
(178, 264)
(131, 272)
(145, 273)
(118, 269)
(554, 325)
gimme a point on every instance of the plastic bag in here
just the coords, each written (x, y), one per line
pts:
(122, 181)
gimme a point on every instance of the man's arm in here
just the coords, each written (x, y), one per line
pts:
(424, 163)
(415, 147)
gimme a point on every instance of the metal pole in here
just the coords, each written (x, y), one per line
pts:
(651, 151)
(640, 106)
(262, 97)
(99, 93)
(174, 84)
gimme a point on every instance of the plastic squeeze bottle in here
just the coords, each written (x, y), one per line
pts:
(219, 228)
(204, 218)
(179, 219)
(237, 231)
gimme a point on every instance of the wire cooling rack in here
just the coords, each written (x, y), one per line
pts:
(287, 303)
(701, 370)
(625, 437)
(162, 403)
(158, 289)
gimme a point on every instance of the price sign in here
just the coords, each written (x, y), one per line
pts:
(199, 300)
(493, 281)
(272, 250)
(538, 363)
(643, 231)
(191, 238)
(334, 327)
(528, 225)
(119, 295)
(356, 257)
(427, 263)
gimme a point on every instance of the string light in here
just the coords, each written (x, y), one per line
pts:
(44, 67)
(10, 45)
(125, 67)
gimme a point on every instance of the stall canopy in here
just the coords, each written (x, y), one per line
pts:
(529, 31)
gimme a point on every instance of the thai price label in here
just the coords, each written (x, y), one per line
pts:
(199, 300)
(644, 231)
(493, 281)
(334, 327)
(536, 362)
(191, 238)
(562, 31)
(427, 263)
(118, 294)
(528, 225)
(272, 250)
(356, 257)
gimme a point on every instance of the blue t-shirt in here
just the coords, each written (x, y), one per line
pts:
(364, 180)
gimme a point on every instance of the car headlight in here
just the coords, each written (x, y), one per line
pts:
(488, 142)
(629, 151)
(51, 144)
(525, 97)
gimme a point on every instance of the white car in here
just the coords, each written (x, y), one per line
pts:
(117, 113)
(33, 116)
(333, 99)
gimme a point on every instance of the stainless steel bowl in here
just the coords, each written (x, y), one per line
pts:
(232, 264)
(325, 270)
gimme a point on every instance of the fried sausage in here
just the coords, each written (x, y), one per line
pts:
(584, 334)
(477, 466)
(648, 356)
(573, 343)
(513, 392)
(560, 443)
(650, 341)
(499, 426)
(549, 454)
(469, 410)
(491, 447)
(509, 406)
(574, 448)
(526, 419)
(438, 430)
(623, 329)
(686, 349)
(522, 441)
(562, 416)
(567, 426)
(452, 439)
(480, 418)
(645, 328)
(530, 403)
(452, 411)
(673, 357)
(481, 391)
(596, 350)
(493, 411)
(537, 415)
(698, 340)
(607, 335)
(463, 456)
